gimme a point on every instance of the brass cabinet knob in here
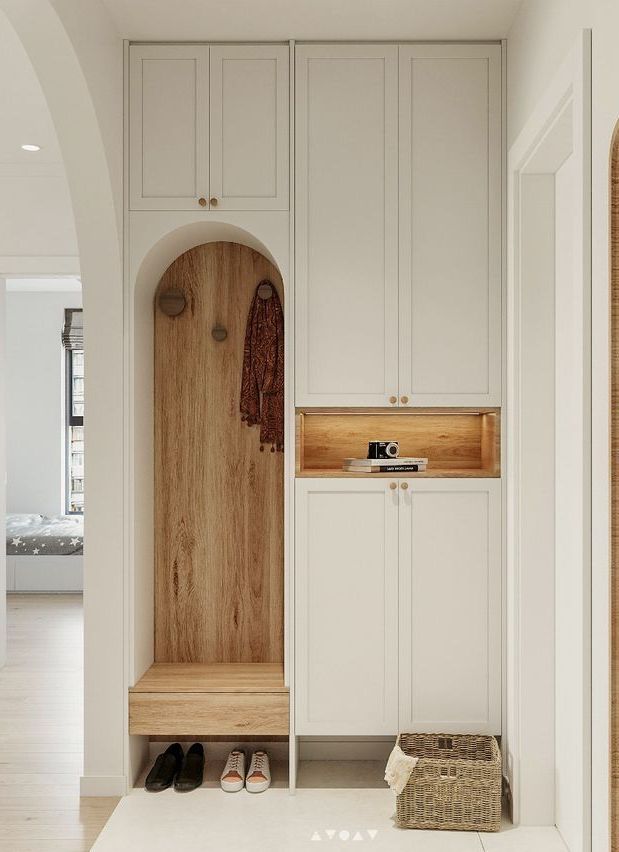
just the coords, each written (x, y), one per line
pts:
(202, 202)
(213, 202)
(393, 400)
(404, 486)
(403, 400)
(393, 485)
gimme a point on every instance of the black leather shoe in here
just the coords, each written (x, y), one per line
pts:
(165, 768)
(191, 773)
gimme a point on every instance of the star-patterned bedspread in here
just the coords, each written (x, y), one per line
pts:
(40, 535)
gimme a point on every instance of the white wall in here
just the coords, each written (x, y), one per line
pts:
(35, 214)
(35, 365)
(542, 34)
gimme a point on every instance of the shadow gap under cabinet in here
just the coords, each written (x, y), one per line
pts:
(458, 442)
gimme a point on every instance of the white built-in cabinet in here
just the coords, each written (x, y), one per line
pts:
(398, 225)
(450, 605)
(346, 224)
(346, 613)
(398, 606)
(208, 127)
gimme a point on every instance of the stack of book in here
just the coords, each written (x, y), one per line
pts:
(406, 464)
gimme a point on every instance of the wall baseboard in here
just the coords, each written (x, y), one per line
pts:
(350, 748)
(103, 785)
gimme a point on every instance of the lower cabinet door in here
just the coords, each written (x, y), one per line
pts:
(450, 606)
(346, 590)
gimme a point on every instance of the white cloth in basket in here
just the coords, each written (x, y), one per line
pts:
(399, 769)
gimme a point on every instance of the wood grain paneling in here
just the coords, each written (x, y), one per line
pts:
(205, 677)
(218, 499)
(456, 443)
(177, 713)
(614, 461)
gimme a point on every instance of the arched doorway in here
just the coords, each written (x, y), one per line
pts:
(69, 72)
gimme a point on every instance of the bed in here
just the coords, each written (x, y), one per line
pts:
(44, 554)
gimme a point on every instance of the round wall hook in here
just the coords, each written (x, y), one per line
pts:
(219, 332)
(172, 302)
(265, 290)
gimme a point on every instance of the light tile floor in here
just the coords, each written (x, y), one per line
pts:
(341, 804)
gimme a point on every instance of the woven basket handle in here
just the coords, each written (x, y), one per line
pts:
(448, 773)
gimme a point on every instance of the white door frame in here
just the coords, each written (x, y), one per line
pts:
(529, 738)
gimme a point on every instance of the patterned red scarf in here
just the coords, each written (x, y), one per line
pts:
(262, 385)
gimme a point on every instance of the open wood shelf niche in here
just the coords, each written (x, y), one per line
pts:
(458, 442)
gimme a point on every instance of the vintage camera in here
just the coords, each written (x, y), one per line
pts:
(383, 449)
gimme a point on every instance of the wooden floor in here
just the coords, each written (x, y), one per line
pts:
(41, 730)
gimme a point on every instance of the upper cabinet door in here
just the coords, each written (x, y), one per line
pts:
(168, 127)
(450, 606)
(346, 614)
(450, 224)
(346, 225)
(249, 127)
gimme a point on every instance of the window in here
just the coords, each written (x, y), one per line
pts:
(73, 340)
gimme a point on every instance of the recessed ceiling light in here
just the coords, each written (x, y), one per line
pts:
(31, 147)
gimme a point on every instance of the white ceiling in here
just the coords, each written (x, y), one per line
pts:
(226, 20)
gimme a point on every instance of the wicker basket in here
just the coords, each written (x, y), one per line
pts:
(456, 784)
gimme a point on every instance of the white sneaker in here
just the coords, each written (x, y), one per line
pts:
(259, 777)
(233, 776)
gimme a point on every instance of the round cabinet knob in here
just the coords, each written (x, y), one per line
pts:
(213, 202)
(202, 202)
(393, 400)
(403, 400)
(393, 485)
(404, 486)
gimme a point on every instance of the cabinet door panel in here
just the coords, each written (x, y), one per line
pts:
(168, 126)
(346, 607)
(346, 225)
(450, 224)
(450, 607)
(249, 127)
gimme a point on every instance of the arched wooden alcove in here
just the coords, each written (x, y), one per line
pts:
(219, 525)
(614, 443)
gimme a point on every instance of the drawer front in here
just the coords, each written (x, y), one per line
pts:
(188, 714)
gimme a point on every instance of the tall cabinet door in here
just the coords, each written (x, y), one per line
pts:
(346, 588)
(450, 224)
(168, 126)
(450, 606)
(346, 225)
(249, 126)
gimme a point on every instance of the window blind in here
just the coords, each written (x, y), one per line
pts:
(73, 329)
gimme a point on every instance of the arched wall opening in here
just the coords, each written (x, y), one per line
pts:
(92, 166)
(150, 268)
